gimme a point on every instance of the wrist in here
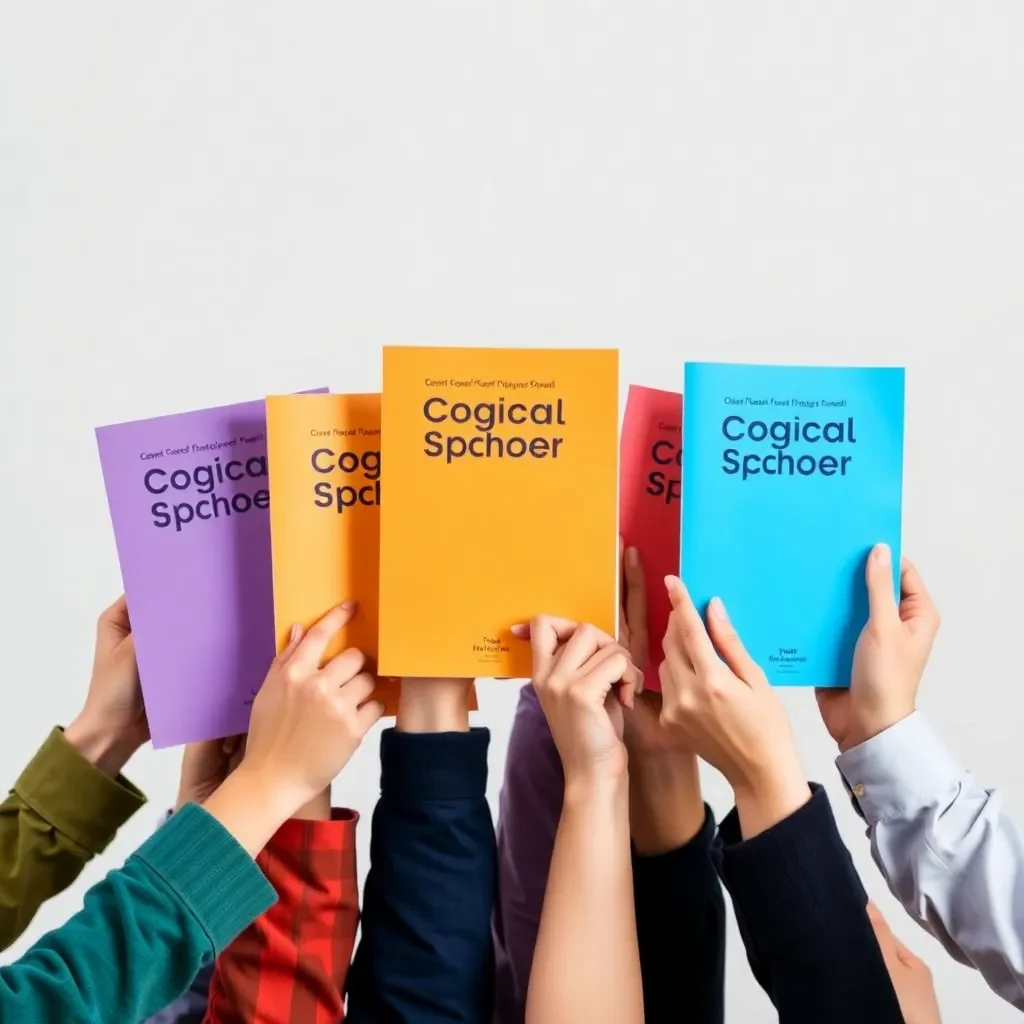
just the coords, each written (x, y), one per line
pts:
(106, 748)
(586, 789)
(872, 727)
(433, 705)
(769, 796)
(666, 807)
(317, 809)
(251, 807)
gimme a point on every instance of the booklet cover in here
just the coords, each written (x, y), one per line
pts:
(792, 475)
(651, 487)
(501, 503)
(325, 478)
(189, 503)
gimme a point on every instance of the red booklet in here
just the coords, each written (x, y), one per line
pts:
(650, 501)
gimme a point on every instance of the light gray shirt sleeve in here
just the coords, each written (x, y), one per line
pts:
(948, 852)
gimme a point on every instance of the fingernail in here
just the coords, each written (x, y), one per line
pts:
(520, 629)
(294, 635)
(882, 554)
(639, 681)
(632, 557)
(717, 609)
(347, 606)
(672, 583)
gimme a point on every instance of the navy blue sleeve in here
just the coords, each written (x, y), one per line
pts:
(426, 952)
(680, 929)
(802, 912)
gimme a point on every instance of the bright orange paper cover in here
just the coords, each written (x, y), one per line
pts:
(323, 455)
(649, 501)
(502, 483)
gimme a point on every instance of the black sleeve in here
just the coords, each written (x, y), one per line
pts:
(680, 927)
(802, 912)
(426, 953)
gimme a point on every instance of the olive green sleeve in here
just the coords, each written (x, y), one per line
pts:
(60, 814)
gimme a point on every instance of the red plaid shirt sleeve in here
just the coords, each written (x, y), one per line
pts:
(289, 966)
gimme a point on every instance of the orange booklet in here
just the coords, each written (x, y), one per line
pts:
(323, 454)
(502, 503)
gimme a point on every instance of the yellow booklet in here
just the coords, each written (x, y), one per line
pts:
(502, 503)
(323, 455)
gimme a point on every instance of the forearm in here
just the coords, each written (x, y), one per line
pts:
(585, 965)
(680, 924)
(144, 931)
(529, 808)
(946, 848)
(426, 952)
(61, 813)
(666, 808)
(803, 917)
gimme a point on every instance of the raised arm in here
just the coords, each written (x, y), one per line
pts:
(586, 965)
(947, 849)
(71, 798)
(426, 952)
(147, 929)
(802, 910)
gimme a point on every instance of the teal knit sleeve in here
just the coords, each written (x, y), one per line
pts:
(144, 931)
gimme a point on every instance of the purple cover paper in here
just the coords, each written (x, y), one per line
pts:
(189, 502)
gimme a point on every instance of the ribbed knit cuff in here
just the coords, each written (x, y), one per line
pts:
(791, 881)
(434, 766)
(211, 873)
(74, 796)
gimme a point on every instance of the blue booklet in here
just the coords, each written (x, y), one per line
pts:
(792, 474)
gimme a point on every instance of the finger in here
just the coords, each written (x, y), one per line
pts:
(113, 621)
(914, 595)
(545, 634)
(294, 636)
(688, 626)
(344, 667)
(358, 689)
(368, 715)
(631, 678)
(882, 606)
(729, 645)
(309, 651)
(636, 607)
(604, 670)
(584, 643)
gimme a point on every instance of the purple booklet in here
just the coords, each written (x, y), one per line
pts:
(189, 501)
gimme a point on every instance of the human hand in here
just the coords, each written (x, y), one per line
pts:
(718, 701)
(204, 766)
(112, 724)
(889, 658)
(433, 705)
(306, 723)
(911, 977)
(643, 732)
(575, 668)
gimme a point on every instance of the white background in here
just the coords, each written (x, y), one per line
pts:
(201, 203)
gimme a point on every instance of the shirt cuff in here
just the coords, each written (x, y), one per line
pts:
(210, 872)
(434, 766)
(71, 794)
(304, 840)
(899, 771)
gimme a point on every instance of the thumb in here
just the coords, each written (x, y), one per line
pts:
(728, 643)
(882, 604)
